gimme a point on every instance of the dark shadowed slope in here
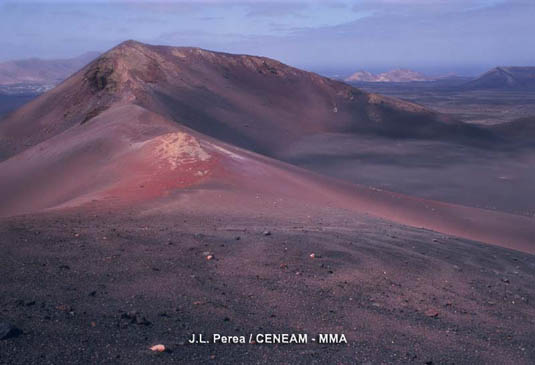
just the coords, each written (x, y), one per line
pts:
(519, 131)
(146, 124)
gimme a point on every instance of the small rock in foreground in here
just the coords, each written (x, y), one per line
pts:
(158, 348)
(431, 313)
(7, 330)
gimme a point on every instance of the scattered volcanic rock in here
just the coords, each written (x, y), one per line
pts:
(64, 308)
(135, 318)
(433, 313)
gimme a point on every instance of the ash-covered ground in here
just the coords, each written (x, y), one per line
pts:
(102, 286)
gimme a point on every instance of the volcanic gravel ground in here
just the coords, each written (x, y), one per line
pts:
(88, 286)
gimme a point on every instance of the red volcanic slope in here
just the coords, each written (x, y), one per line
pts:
(142, 122)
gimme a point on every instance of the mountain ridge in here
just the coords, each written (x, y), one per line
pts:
(153, 76)
(171, 126)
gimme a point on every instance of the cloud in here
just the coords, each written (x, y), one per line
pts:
(276, 9)
(402, 7)
(376, 35)
(463, 39)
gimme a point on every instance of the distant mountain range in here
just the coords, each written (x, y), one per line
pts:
(506, 78)
(36, 71)
(398, 75)
(499, 78)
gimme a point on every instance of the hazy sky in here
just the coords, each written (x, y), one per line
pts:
(466, 36)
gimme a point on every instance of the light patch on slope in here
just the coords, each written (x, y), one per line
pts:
(178, 53)
(177, 149)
